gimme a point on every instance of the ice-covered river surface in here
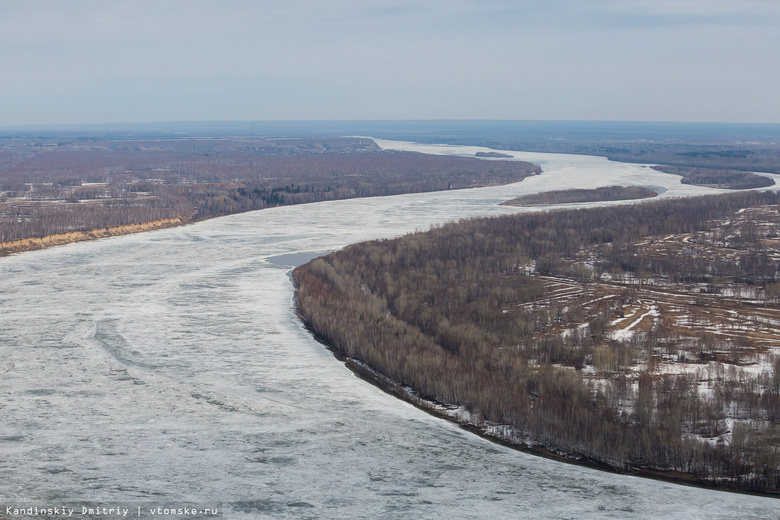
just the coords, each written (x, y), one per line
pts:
(169, 368)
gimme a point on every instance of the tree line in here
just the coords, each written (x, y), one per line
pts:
(79, 187)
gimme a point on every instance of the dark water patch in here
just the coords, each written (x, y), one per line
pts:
(215, 402)
(449, 467)
(51, 343)
(89, 393)
(41, 391)
(284, 443)
(199, 286)
(258, 506)
(107, 335)
(56, 471)
(122, 375)
(296, 259)
(12, 438)
(129, 286)
(276, 461)
(399, 493)
(266, 390)
(299, 504)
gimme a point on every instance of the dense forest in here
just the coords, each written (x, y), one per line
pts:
(642, 338)
(606, 193)
(49, 187)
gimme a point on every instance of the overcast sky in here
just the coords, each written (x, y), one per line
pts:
(84, 61)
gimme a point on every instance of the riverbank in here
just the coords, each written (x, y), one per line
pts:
(492, 433)
(33, 244)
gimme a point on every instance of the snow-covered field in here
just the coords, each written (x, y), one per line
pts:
(169, 368)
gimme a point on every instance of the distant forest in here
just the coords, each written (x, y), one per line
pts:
(743, 147)
(756, 157)
(640, 338)
(82, 179)
(50, 186)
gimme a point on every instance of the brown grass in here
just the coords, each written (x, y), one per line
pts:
(32, 244)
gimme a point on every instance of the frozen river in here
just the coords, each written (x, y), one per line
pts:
(168, 368)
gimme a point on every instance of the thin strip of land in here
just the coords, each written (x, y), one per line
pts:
(493, 155)
(607, 193)
(33, 244)
(718, 178)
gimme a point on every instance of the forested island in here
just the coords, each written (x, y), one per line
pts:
(718, 178)
(493, 155)
(641, 338)
(607, 193)
(79, 188)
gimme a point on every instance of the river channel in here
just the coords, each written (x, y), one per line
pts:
(169, 368)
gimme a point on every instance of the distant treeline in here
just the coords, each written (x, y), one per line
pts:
(607, 193)
(698, 153)
(443, 312)
(88, 185)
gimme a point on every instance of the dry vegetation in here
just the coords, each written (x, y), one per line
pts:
(49, 187)
(645, 338)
